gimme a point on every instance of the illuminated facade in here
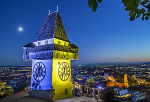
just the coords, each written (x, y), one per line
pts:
(51, 54)
(120, 85)
(126, 81)
(137, 96)
(122, 93)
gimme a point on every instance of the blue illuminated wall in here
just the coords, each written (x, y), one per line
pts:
(43, 82)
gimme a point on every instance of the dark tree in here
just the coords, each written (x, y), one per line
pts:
(136, 8)
(108, 94)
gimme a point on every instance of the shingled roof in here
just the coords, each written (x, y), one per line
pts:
(52, 28)
(29, 45)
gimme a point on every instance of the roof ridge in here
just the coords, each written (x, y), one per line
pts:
(52, 28)
(60, 32)
(47, 29)
(55, 23)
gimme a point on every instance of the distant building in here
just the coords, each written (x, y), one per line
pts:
(122, 94)
(112, 82)
(136, 96)
(126, 81)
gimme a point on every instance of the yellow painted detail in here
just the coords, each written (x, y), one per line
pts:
(63, 55)
(61, 42)
(124, 96)
(63, 89)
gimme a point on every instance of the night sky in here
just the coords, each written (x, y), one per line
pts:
(107, 36)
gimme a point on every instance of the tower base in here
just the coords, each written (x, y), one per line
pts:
(44, 94)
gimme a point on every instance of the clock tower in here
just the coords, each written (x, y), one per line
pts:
(51, 54)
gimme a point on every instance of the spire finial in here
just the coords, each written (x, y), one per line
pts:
(57, 8)
(49, 12)
(57, 5)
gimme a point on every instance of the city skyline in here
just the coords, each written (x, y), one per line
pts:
(107, 36)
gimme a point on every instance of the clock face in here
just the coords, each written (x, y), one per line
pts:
(39, 71)
(64, 71)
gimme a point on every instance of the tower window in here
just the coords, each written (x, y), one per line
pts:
(46, 42)
(65, 44)
(58, 42)
(39, 44)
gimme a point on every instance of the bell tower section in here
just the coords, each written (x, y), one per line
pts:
(51, 54)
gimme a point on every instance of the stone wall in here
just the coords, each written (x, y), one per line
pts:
(44, 94)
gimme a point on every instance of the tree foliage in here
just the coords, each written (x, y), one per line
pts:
(5, 90)
(132, 80)
(22, 86)
(107, 95)
(136, 8)
(90, 81)
(94, 4)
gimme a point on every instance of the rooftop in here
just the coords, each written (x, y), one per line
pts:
(52, 28)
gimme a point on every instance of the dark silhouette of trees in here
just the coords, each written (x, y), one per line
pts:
(136, 8)
(5, 90)
(107, 94)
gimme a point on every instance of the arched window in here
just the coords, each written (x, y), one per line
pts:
(46, 42)
(65, 44)
(39, 43)
(58, 42)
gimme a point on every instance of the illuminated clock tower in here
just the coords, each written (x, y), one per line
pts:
(51, 54)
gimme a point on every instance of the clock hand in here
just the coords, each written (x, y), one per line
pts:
(64, 70)
(62, 76)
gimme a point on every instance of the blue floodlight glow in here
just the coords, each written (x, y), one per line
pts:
(85, 77)
(100, 87)
(46, 83)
